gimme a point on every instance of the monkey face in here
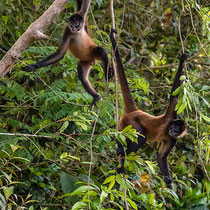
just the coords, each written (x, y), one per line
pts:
(177, 128)
(75, 23)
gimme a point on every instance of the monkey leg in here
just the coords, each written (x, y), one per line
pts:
(121, 153)
(83, 70)
(100, 54)
(133, 146)
(162, 158)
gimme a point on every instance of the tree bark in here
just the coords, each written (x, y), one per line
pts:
(34, 32)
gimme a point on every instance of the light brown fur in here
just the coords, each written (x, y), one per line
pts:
(155, 127)
(81, 47)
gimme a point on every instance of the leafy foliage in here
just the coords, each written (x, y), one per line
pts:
(46, 126)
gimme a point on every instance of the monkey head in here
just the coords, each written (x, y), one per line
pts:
(177, 128)
(75, 23)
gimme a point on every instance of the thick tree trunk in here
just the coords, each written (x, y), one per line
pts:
(34, 32)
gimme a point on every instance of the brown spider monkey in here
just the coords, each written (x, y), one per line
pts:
(164, 128)
(78, 42)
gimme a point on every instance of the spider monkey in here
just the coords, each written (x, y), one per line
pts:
(78, 42)
(165, 128)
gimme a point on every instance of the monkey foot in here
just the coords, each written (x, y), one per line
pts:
(31, 67)
(94, 102)
(168, 180)
(184, 57)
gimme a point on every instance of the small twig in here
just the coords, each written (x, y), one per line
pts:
(68, 102)
(116, 91)
(191, 17)
(51, 204)
(179, 27)
(27, 135)
(115, 71)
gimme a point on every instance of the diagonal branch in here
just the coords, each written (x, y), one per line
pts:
(34, 32)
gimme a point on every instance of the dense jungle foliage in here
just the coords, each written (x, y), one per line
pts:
(49, 137)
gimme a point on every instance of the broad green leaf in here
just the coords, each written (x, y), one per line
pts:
(8, 191)
(152, 199)
(177, 91)
(132, 203)
(63, 155)
(112, 183)
(151, 166)
(182, 108)
(109, 179)
(207, 119)
(79, 205)
(81, 190)
(126, 129)
(64, 126)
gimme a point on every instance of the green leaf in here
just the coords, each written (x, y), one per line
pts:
(182, 108)
(112, 183)
(8, 191)
(103, 196)
(151, 166)
(132, 137)
(109, 179)
(177, 91)
(81, 190)
(182, 78)
(207, 119)
(64, 126)
(64, 155)
(68, 182)
(84, 127)
(126, 129)
(152, 199)
(132, 203)
(79, 205)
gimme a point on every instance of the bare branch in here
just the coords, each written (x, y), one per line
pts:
(34, 32)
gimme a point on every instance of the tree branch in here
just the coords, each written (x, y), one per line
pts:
(34, 32)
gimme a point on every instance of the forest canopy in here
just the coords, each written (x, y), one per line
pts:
(57, 153)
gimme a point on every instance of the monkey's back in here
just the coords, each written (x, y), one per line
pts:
(154, 126)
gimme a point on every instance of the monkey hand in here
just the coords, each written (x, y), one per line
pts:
(184, 57)
(168, 180)
(94, 102)
(32, 67)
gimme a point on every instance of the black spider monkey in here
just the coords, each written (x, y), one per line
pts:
(164, 128)
(78, 42)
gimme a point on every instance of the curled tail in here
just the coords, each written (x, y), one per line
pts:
(177, 82)
(129, 103)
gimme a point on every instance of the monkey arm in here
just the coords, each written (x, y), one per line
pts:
(55, 57)
(83, 70)
(177, 81)
(100, 54)
(162, 158)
